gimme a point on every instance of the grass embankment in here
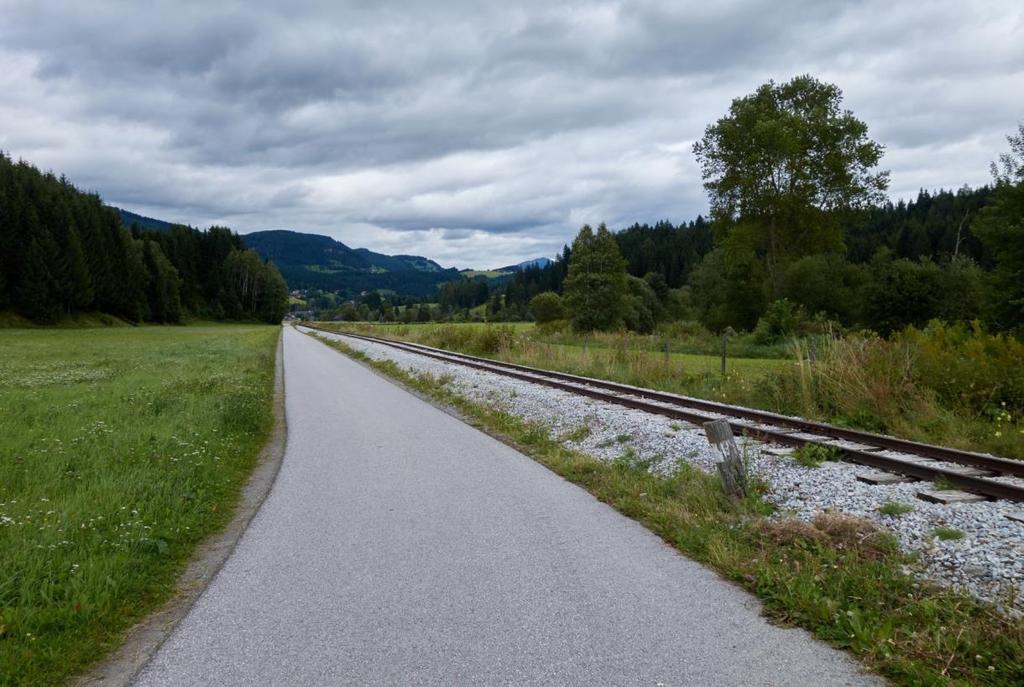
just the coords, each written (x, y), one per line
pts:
(944, 385)
(78, 320)
(120, 450)
(839, 578)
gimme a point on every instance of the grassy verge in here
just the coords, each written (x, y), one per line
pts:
(120, 450)
(839, 578)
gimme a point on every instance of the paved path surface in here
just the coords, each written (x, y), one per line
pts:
(401, 547)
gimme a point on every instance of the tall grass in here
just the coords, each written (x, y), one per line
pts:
(120, 449)
(953, 385)
(621, 356)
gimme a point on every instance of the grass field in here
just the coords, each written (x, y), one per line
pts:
(120, 449)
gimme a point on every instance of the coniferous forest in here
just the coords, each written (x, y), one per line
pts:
(62, 251)
(902, 263)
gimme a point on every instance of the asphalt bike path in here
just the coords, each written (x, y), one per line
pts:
(400, 546)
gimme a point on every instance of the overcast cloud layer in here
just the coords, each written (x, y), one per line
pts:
(475, 133)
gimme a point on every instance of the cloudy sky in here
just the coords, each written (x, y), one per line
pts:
(475, 133)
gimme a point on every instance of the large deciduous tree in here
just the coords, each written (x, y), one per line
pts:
(595, 288)
(781, 168)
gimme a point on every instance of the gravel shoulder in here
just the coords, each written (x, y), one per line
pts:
(987, 562)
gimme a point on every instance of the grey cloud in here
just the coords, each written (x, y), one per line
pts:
(460, 126)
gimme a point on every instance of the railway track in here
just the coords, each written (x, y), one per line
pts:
(976, 473)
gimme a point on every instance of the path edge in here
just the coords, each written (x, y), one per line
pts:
(143, 640)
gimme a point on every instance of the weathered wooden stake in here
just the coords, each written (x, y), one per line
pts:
(725, 343)
(666, 351)
(731, 468)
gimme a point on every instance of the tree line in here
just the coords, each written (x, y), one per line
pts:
(63, 251)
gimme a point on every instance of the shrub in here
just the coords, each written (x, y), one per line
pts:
(968, 367)
(349, 313)
(547, 307)
(554, 327)
(901, 293)
(490, 340)
(781, 320)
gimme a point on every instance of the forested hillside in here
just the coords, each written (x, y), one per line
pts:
(319, 262)
(63, 251)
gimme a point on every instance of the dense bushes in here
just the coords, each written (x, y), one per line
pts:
(547, 307)
(780, 321)
(968, 367)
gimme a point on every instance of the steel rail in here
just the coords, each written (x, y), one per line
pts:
(763, 425)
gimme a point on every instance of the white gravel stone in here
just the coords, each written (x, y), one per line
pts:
(988, 562)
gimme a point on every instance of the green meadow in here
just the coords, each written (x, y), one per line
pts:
(120, 450)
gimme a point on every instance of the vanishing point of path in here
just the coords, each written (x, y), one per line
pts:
(400, 546)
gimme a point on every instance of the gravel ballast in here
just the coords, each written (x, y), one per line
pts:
(987, 561)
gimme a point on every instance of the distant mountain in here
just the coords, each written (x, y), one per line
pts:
(536, 262)
(314, 261)
(130, 218)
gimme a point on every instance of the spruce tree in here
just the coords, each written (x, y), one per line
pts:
(595, 288)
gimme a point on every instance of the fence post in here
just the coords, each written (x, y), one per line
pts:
(731, 468)
(725, 344)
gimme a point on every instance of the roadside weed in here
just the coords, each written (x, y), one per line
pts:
(947, 533)
(895, 508)
(813, 455)
(577, 435)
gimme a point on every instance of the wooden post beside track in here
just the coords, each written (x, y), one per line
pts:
(731, 468)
